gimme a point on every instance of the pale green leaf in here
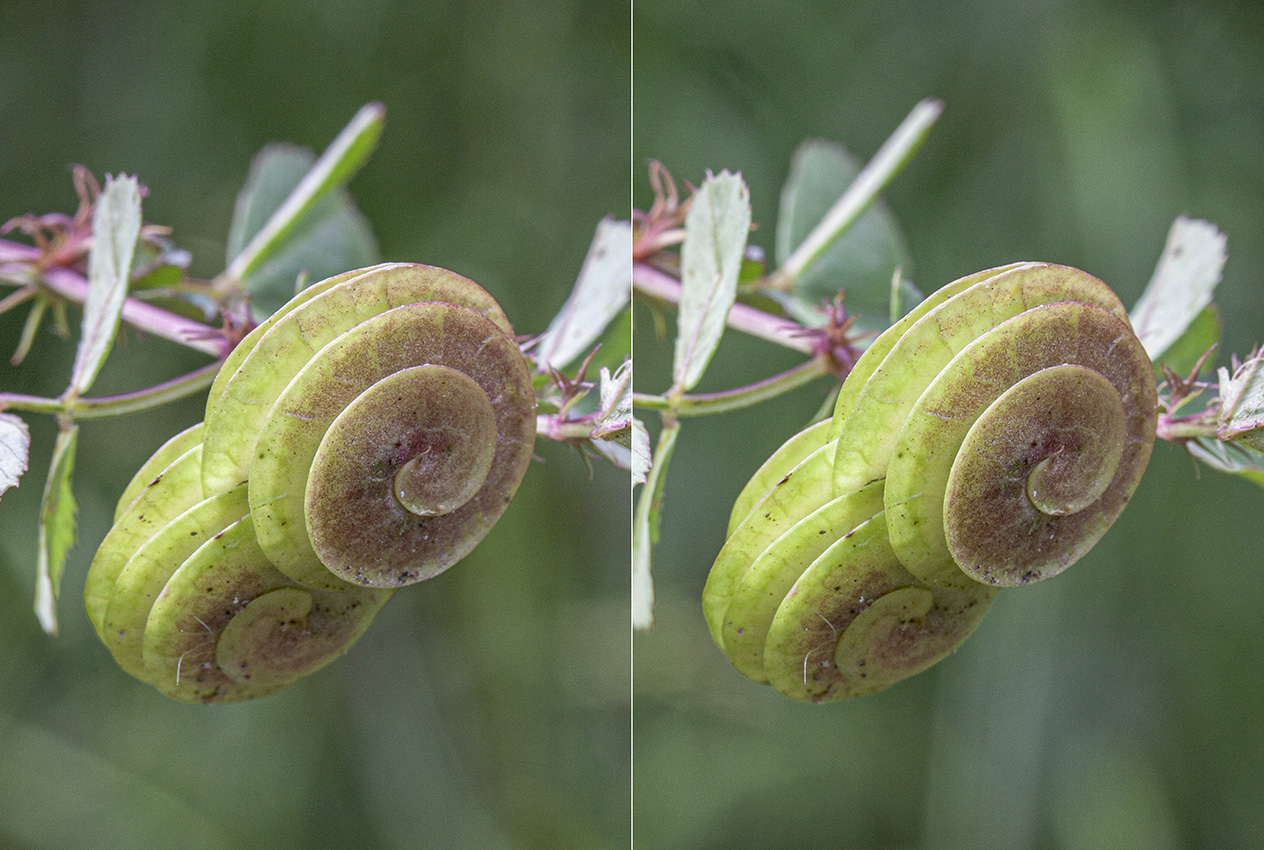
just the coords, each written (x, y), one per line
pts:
(338, 164)
(15, 450)
(602, 290)
(711, 258)
(862, 258)
(56, 529)
(116, 223)
(1183, 354)
(1233, 458)
(330, 238)
(1182, 285)
(890, 159)
(645, 528)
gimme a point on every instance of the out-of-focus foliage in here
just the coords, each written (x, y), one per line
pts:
(1116, 706)
(489, 708)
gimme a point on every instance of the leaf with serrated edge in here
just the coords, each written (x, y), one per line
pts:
(56, 529)
(711, 257)
(15, 450)
(1182, 285)
(601, 291)
(115, 229)
(645, 530)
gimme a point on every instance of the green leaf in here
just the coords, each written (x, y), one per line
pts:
(645, 528)
(331, 237)
(1183, 283)
(15, 450)
(115, 228)
(890, 159)
(1183, 354)
(716, 228)
(861, 260)
(288, 219)
(1233, 458)
(57, 528)
(603, 288)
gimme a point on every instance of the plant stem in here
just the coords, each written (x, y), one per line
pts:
(704, 404)
(742, 317)
(1177, 430)
(550, 426)
(72, 286)
(116, 405)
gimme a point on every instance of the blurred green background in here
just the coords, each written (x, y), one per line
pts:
(487, 708)
(1119, 706)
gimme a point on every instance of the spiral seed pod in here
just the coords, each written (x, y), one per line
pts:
(987, 440)
(365, 437)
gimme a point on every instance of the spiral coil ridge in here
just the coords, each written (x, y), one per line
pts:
(986, 440)
(365, 437)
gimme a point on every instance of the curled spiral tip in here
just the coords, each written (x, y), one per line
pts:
(986, 440)
(365, 437)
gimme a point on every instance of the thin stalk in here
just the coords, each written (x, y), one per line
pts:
(72, 286)
(704, 404)
(742, 317)
(142, 316)
(553, 428)
(115, 405)
(1176, 430)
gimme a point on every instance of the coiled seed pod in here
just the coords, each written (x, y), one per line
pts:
(365, 437)
(987, 440)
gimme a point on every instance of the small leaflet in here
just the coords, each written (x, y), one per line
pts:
(115, 228)
(711, 259)
(602, 290)
(56, 529)
(645, 529)
(1242, 403)
(1182, 285)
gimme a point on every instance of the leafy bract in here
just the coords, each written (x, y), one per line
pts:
(1242, 403)
(716, 228)
(1183, 283)
(601, 291)
(645, 528)
(56, 528)
(116, 223)
(1233, 458)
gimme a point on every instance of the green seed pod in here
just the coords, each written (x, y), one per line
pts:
(987, 440)
(365, 437)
